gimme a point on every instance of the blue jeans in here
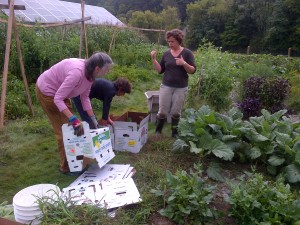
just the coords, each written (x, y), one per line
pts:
(83, 114)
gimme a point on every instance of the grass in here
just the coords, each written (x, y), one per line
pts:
(29, 156)
(29, 159)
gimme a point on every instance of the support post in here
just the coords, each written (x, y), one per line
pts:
(248, 50)
(18, 44)
(289, 52)
(6, 62)
(83, 32)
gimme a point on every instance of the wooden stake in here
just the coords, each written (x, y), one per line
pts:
(85, 36)
(112, 42)
(18, 43)
(83, 33)
(6, 62)
(248, 50)
(289, 52)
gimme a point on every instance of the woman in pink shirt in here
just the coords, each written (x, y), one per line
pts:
(64, 80)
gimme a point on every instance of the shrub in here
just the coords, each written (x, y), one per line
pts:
(256, 201)
(188, 197)
(264, 93)
(217, 71)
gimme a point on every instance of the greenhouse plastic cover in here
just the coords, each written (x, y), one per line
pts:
(54, 11)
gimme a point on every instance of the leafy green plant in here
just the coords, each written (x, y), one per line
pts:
(187, 197)
(293, 101)
(16, 105)
(271, 139)
(275, 140)
(254, 200)
(207, 132)
(217, 72)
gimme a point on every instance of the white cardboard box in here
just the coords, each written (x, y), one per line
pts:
(107, 173)
(131, 131)
(93, 144)
(105, 194)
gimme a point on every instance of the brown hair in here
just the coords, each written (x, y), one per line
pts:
(177, 34)
(122, 84)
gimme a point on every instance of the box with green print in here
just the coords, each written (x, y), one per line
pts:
(93, 144)
(102, 145)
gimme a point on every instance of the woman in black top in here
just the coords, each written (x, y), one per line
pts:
(103, 90)
(175, 64)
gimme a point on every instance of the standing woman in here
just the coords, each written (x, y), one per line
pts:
(64, 80)
(175, 64)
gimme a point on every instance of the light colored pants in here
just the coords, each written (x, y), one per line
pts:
(57, 119)
(171, 101)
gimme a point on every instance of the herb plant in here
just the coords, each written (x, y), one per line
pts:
(187, 197)
(254, 200)
(264, 93)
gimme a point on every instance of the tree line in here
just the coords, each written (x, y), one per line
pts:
(267, 25)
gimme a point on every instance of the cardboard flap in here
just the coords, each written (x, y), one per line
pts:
(130, 126)
(144, 121)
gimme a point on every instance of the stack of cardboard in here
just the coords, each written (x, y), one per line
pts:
(109, 187)
(105, 185)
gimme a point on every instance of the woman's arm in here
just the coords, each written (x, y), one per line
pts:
(156, 65)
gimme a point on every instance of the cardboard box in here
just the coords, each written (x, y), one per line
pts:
(102, 145)
(153, 105)
(105, 194)
(131, 131)
(93, 144)
(107, 173)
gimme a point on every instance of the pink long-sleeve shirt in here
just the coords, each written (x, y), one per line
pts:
(66, 79)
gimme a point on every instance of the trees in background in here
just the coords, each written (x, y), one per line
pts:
(269, 25)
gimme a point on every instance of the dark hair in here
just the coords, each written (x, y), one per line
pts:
(99, 59)
(177, 34)
(122, 84)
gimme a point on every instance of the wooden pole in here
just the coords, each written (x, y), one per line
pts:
(18, 43)
(85, 36)
(82, 28)
(158, 42)
(6, 62)
(289, 52)
(248, 50)
(112, 40)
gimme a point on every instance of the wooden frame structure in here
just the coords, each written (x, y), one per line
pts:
(12, 24)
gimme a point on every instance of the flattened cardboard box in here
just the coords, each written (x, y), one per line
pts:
(105, 194)
(93, 144)
(107, 173)
(131, 131)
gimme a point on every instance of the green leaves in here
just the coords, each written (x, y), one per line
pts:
(221, 150)
(188, 197)
(271, 139)
(256, 201)
(292, 173)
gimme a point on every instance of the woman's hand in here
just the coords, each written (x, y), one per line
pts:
(153, 55)
(180, 61)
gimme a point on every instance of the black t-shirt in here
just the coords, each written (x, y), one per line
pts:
(174, 75)
(103, 90)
